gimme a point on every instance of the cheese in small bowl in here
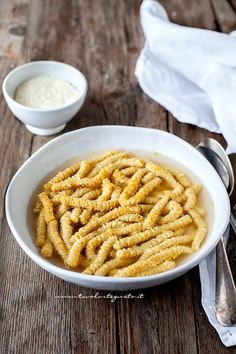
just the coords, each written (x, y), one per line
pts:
(45, 92)
(45, 95)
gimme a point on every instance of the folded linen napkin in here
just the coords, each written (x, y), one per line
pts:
(191, 72)
(208, 277)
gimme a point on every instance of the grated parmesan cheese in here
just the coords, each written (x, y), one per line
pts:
(45, 92)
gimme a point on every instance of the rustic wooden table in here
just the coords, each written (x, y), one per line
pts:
(103, 39)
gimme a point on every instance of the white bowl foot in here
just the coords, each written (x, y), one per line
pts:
(45, 132)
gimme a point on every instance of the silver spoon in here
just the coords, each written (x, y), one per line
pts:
(220, 151)
(216, 147)
(217, 163)
(232, 158)
(225, 289)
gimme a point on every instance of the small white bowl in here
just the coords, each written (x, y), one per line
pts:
(79, 144)
(44, 121)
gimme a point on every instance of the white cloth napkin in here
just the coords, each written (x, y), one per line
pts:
(191, 72)
(208, 279)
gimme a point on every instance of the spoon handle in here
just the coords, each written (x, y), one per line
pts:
(225, 289)
(233, 222)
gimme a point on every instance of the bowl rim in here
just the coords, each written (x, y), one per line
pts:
(54, 269)
(44, 62)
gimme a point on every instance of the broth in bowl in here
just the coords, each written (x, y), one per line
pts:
(120, 214)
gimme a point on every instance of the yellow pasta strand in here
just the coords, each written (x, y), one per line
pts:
(175, 211)
(129, 229)
(145, 190)
(75, 215)
(60, 210)
(85, 168)
(74, 258)
(41, 229)
(191, 199)
(116, 193)
(85, 216)
(136, 251)
(145, 208)
(201, 231)
(132, 186)
(95, 242)
(47, 249)
(158, 239)
(156, 211)
(119, 179)
(55, 237)
(131, 218)
(133, 161)
(129, 171)
(107, 189)
(99, 205)
(173, 241)
(37, 207)
(57, 196)
(163, 267)
(92, 194)
(66, 229)
(180, 177)
(101, 257)
(94, 224)
(81, 191)
(148, 177)
(96, 160)
(153, 199)
(76, 181)
(168, 254)
(48, 207)
(112, 264)
(167, 176)
(146, 235)
(107, 161)
(62, 175)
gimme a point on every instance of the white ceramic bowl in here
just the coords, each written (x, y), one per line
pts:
(82, 143)
(44, 121)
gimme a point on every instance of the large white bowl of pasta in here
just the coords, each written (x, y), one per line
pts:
(131, 208)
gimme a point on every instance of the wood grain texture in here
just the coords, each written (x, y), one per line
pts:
(225, 15)
(103, 39)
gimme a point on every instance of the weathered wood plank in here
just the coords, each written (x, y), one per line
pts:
(190, 13)
(232, 3)
(225, 15)
(162, 322)
(15, 144)
(14, 139)
(191, 133)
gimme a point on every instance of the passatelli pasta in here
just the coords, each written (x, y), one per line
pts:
(119, 215)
